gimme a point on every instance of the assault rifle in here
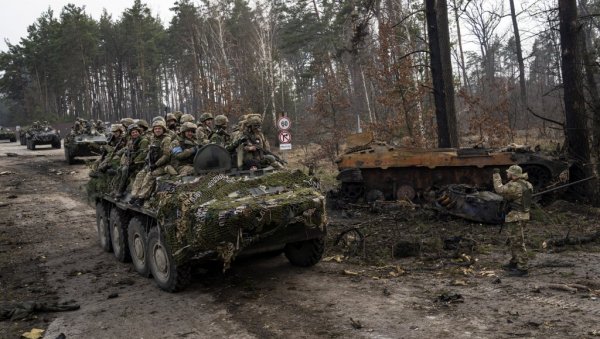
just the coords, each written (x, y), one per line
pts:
(271, 154)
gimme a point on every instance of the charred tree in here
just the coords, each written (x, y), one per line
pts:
(441, 72)
(577, 136)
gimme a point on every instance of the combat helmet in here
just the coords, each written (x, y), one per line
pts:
(143, 124)
(205, 116)
(160, 123)
(516, 171)
(126, 122)
(158, 117)
(253, 120)
(221, 120)
(117, 127)
(132, 127)
(178, 115)
(171, 116)
(188, 126)
(186, 118)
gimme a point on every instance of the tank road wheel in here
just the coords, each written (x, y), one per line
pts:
(118, 234)
(138, 243)
(305, 253)
(102, 227)
(166, 273)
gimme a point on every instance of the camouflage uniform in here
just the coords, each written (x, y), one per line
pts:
(160, 151)
(76, 129)
(183, 150)
(220, 136)
(100, 128)
(518, 193)
(132, 159)
(204, 130)
(252, 144)
(115, 143)
(171, 121)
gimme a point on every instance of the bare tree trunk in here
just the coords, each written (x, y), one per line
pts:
(460, 48)
(576, 122)
(522, 85)
(441, 71)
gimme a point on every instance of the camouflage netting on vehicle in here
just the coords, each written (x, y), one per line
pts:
(227, 214)
(96, 187)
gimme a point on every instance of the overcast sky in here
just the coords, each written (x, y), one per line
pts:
(17, 15)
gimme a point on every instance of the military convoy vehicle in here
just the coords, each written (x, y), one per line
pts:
(376, 171)
(7, 134)
(218, 214)
(83, 145)
(42, 136)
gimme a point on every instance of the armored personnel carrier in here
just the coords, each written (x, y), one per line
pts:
(217, 214)
(7, 134)
(42, 136)
(376, 171)
(88, 143)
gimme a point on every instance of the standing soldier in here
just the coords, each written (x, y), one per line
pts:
(517, 192)
(205, 128)
(220, 136)
(132, 159)
(183, 150)
(158, 156)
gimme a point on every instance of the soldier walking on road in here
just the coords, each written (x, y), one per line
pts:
(517, 192)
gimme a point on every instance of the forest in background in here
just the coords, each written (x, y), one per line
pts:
(327, 64)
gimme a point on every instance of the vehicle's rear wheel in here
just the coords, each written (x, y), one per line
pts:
(168, 276)
(31, 145)
(68, 156)
(13, 139)
(305, 253)
(138, 243)
(118, 234)
(56, 144)
(102, 227)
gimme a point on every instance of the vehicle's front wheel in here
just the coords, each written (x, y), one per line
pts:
(13, 139)
(68, 156)
(56, 144)
(138, 243)
(305, 253)
(118, 234)
(168, 276)
(102, 227)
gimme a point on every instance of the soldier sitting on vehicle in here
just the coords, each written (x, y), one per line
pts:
(220, 136)
(132, 159)
(256, 152)
(517, 192)
(158, 156)
(171, 121)
(77, 128)
(107, 161)
(100, 128)
(183, 150)
(204, 128)
(143, 124)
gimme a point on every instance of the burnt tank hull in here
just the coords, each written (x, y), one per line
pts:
(377, 170)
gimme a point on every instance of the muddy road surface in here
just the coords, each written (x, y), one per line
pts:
(49, 253)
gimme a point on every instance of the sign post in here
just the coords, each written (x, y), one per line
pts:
(284, 136)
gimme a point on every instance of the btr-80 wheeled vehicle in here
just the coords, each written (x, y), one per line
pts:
(7, 134)
(86, 144)
(45, 135)
(219, 213)
(374, 170)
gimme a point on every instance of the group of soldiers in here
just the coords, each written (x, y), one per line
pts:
(139, 153)
(39, 126)
(82, 126)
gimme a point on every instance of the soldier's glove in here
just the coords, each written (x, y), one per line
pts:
(496, 170)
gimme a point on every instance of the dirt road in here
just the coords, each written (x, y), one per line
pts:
(49, 252)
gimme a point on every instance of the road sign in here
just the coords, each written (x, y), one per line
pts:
(284, 147)
(284, 137)
(284, 123)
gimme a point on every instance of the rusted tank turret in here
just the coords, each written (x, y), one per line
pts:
(376, 170)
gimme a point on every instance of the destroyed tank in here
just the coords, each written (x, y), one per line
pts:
(7, 134)
(45, 135)
(217, 214)
(88, 143)
(374, 170)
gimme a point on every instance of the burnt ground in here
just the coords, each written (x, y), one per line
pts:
(416, 275)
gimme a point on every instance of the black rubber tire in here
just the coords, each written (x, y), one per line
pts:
(68, 157)
(22, 140)
(118, 222)
(27, 144)
(56, 145)
(167, 275)
(102, 227)
(138, 244)
(31, 145)
(305, 253)
(13, 139)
